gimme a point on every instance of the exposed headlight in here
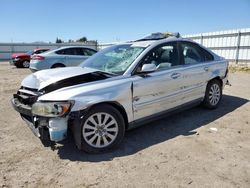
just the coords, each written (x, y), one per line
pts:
(51, 109)
(17, 59)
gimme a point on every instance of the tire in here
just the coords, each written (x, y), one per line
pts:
(102, 129)
(213, 94)
(25, 64)
(19, 65)
(57, 65)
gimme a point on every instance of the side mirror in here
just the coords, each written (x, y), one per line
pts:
(148, 68)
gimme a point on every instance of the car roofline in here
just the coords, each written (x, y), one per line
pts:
(66, 47)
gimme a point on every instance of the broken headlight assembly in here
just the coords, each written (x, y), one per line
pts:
(51, 109)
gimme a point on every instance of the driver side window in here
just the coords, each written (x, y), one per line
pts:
(163, 57)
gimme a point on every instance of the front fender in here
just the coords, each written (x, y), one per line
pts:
(86, 97)
(123, 99)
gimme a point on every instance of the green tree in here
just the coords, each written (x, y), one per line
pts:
(83, 39)
(59, 40)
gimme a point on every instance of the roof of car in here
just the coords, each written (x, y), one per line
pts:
(41, 49)
(147, 43)
(65, 47)
(142, 43)
(157, 38)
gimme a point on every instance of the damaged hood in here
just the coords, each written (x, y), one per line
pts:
(53, 79)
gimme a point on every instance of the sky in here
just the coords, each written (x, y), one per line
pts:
(114, 20)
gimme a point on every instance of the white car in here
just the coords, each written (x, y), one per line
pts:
(61, 57)
(119, 88)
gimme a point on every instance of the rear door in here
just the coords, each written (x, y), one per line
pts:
(73, 56)
(85, 53)
(196, 62)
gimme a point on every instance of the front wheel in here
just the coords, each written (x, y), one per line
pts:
(213, 94)
(103, 129)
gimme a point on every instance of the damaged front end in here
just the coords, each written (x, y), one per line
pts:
(47, 120)
(49, 117)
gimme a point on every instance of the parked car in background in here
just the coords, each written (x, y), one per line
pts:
(61, 57)
(22, 60)
(119, 88)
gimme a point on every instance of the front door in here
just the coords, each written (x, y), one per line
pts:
(160, 90)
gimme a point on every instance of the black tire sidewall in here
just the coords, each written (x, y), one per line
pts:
(121, 128)
(19, 64)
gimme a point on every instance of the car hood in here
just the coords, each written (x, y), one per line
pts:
(53, 79)
(19, 55)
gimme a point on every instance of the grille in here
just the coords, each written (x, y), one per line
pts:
(27, 95)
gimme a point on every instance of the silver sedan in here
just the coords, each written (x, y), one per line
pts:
(61, 57)
(119, 88)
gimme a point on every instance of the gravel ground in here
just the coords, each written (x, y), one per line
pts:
(177, 151)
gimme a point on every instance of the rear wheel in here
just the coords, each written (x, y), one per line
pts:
(213, 94)
(26, 64)
(102, 129)
(58, 65)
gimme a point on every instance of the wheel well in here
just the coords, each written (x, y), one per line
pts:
(119, 108)
(217, 78)
(58, 64)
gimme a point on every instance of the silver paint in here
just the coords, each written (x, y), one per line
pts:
(139, 96)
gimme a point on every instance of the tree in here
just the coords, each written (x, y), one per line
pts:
(59, 40)
(83, 39)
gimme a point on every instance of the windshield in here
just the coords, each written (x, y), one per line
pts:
(115, 59)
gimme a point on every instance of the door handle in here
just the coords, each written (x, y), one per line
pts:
(206, 69)
(175, 75)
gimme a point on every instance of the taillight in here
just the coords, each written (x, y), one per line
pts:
(38, 57)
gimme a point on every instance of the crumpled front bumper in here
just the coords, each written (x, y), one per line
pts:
(15, 62)
(53, 129)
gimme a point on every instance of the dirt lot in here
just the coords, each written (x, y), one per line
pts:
(178, 151)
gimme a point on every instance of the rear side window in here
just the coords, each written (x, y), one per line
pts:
(193, 54)
(60, 52)
(85, 51)
(89, 52)
(68, 51)
(80, 51)
(207, 55)
(71, 51)
(39, 51)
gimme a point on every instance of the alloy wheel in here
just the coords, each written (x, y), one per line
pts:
(214, 94)
(100, 130)
(26, 64)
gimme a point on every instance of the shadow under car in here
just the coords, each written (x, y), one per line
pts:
(182, 123)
